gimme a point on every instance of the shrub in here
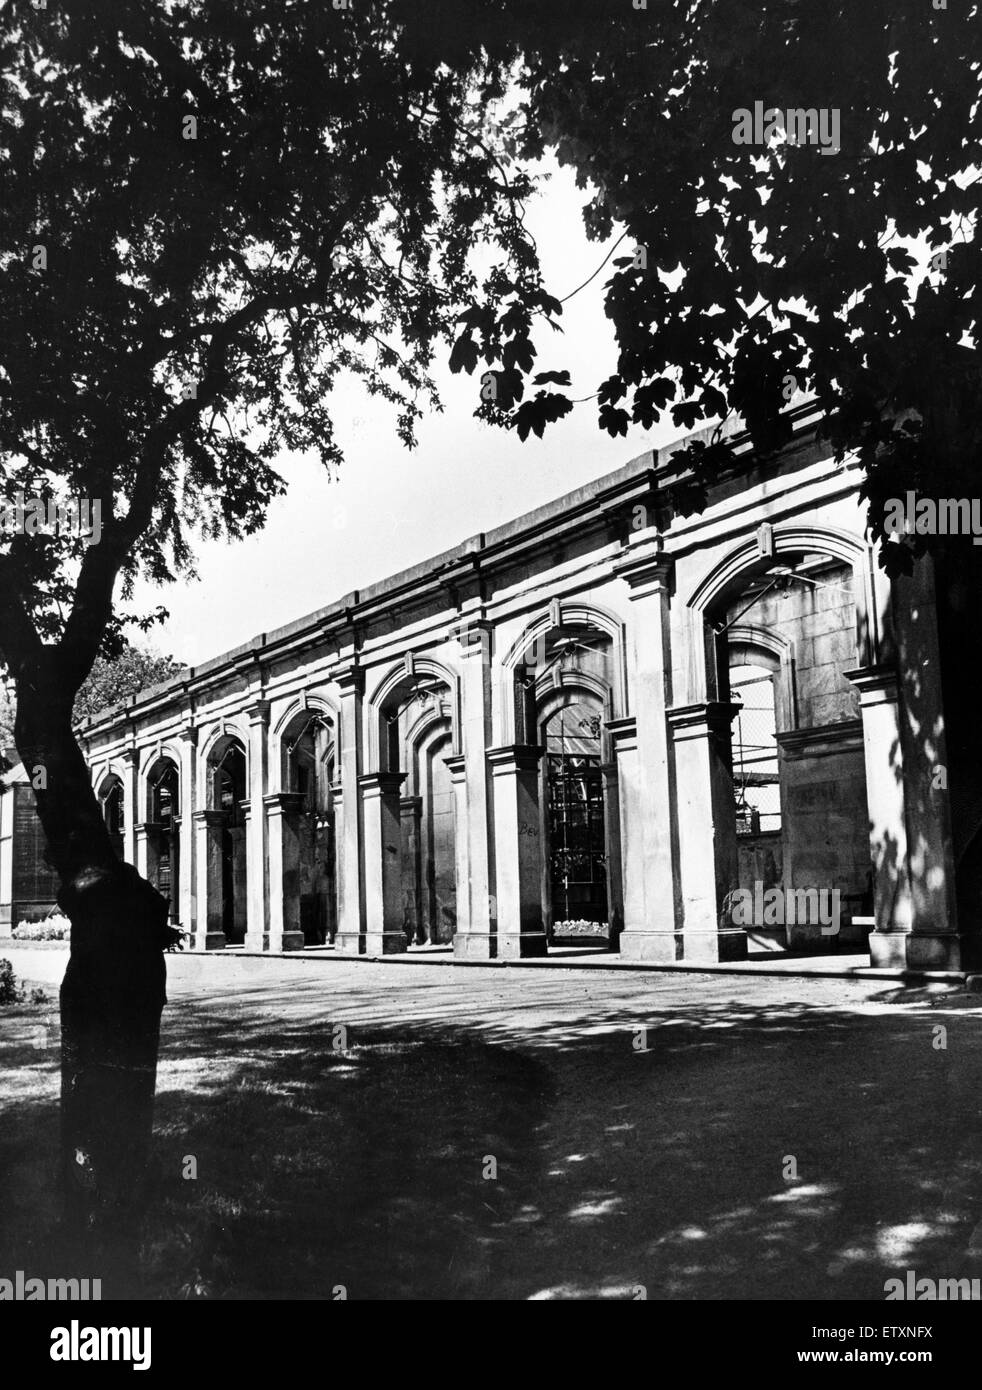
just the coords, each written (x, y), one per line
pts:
(51, 928)
(9, 990)
(13, 993)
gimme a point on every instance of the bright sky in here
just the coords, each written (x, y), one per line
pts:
(391, 508)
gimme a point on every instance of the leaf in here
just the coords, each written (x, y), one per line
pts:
(542, 410)
(614, 420)
(465, 355)
(686, 414)
(520, 353)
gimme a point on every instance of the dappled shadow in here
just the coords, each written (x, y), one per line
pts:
(808, 1140)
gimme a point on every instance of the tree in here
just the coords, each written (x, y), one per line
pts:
(113, 679)
(208, 212)
(751, 272)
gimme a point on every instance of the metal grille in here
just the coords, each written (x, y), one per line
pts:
(577, 863)
(756, 779)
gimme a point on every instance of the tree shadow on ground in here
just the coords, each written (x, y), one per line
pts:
(705, 1149)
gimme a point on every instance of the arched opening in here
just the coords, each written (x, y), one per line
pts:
(309, 745)
(754, 675)
(164, 832)
(112, 801)
(415, 740)
(564, 683)
(780, 641)
(433, 874)
(227, 795)
(576, 893)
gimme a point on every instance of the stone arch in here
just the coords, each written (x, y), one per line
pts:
(789, 538)
(216, 741)
(789, 802)
(291, 725)
(312, 705)
(110, 790)
(214, 756)
(744, 562)
(779, 653)
(309, 700)
(425, 727)
(152, 757)
(109, 770)
(413, 674)
(540, 646)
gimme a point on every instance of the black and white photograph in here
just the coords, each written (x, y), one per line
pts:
(491, 668)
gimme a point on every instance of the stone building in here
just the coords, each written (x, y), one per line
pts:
(590, 725)
(28, 884)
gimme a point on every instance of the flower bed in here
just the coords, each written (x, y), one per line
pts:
(53, 928)
(581, 927)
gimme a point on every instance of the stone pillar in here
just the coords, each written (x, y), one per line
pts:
(240, 837)
(7, 924)
(612, 842)
(707, 832)
(257, 913)
(938, 940)
(150, 842)
(890, 943)
(651, 924)
(458, 783)
(187, 897)
(348, 834)
(518, 851)
(384, 933)
(337, 812)
(130, 759)
(208, 930)
(282, 811)
(176, 849)
(146, 858)
(475, 936)
(624, 744)
(411, 811)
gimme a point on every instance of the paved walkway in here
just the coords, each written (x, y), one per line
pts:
(832, 966)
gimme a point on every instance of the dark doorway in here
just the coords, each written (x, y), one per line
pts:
(577, 856)
(230, 793)
(164, 830)
(311, 772)
(112, 810)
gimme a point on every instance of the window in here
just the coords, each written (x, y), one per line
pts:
(756, 780)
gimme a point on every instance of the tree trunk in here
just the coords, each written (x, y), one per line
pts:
(111, 1002)
(112, 995)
